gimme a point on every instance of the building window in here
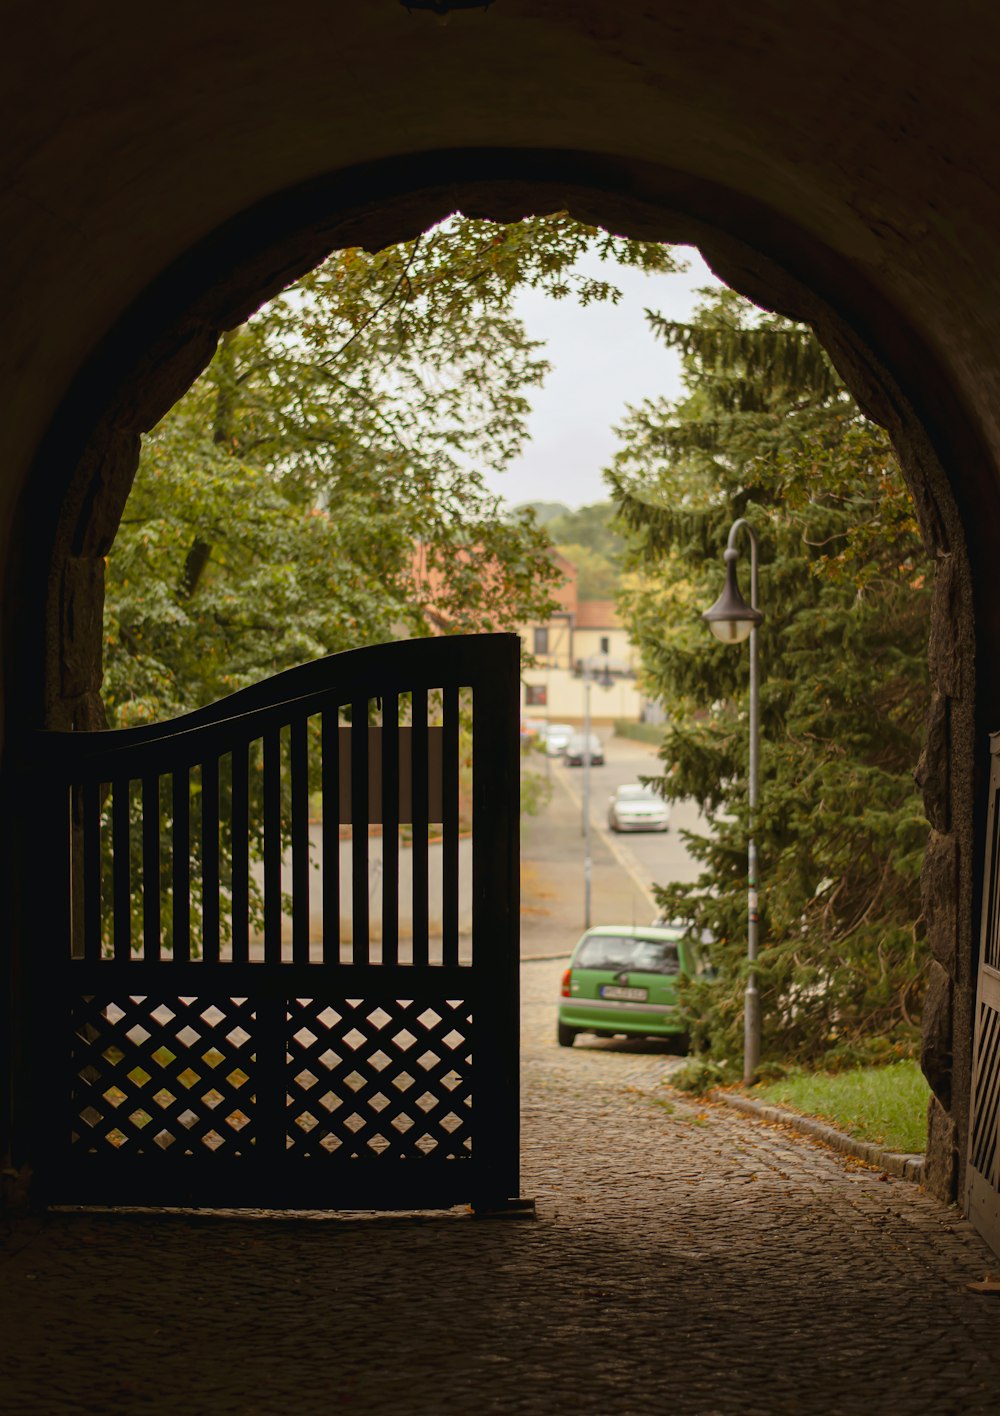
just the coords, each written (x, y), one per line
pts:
(542, 641)
(535, 695)
(605, 644)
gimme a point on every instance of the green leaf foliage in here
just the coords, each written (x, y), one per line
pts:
(588, 537)
(597, 577)
(322, 485)
(590, 526)
(766, 431)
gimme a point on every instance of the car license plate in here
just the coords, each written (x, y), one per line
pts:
(625, 995)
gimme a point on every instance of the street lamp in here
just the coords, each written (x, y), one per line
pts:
(587, 865)
(732, 620)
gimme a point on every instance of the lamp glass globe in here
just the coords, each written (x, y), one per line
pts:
(731, 631)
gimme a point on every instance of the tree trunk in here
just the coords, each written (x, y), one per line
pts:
(224, 365)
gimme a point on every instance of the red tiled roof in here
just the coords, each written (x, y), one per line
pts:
(565, 592)
(597, 614)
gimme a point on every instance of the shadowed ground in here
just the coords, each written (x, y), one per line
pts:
(684, 1260)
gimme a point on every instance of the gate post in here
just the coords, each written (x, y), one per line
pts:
(495, 922)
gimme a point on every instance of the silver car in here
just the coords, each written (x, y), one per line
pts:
(579, 747)
(555, 736)
(637, 808)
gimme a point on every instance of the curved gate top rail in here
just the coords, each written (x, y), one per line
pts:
(280, 948)
(461, 660)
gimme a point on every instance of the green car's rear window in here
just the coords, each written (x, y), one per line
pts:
(643, 955)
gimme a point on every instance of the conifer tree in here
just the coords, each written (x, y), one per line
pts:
(767, 431)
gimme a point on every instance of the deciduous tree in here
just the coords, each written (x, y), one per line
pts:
(278, 506)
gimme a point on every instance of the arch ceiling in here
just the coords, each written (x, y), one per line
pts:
(855, 149)
(134, 131)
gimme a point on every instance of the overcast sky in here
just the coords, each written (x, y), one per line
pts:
(604, 357)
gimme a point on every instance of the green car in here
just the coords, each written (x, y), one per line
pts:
(622, 979)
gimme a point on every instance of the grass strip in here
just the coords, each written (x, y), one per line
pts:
(640, 732)
(887, 1105)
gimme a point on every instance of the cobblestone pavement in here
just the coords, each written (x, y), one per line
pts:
(684, 1261)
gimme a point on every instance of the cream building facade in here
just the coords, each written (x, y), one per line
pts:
(580, 637)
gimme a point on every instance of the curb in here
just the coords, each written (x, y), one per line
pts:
(896, 1163)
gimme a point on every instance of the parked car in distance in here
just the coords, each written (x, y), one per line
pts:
(580, 746)
(622, 981)
(637, 808)
(555, 736)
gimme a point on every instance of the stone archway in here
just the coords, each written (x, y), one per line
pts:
(84, 470)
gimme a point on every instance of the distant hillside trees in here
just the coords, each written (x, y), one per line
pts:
(589, 538)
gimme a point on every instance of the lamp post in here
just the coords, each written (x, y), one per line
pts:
(732, 620)
(587, 863)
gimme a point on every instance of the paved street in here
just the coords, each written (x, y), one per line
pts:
(657, 856)
(624, 865)
(684, 1260)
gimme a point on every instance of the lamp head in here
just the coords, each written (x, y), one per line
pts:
(731, 619)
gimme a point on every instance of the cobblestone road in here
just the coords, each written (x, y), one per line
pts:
(685, 1261)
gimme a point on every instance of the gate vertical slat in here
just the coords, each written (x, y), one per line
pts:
(122, 870)
(75, 876)
(241, 851)
(390, 828)
(181, 873)
(269, 1080)
(272, 846)
(449, 845)
(299, 770)
(91, 806)
(210, 860)
(330, 769)
(40, 1096)
(990, 934)
(419, 813)
(988, 1104)
(150, 868)
(495, 917)
(359, 828)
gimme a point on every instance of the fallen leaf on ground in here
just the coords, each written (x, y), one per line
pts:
(989, 1284)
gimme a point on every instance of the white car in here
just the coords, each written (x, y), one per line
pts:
(555, 737)
(637, 808)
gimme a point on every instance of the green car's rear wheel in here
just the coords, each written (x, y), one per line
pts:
(565, 1034)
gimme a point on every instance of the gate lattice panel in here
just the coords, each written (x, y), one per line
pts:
(396, 1075)
(233, 1006)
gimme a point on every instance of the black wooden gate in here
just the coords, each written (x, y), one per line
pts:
(983, 1169)
(202, 1033)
